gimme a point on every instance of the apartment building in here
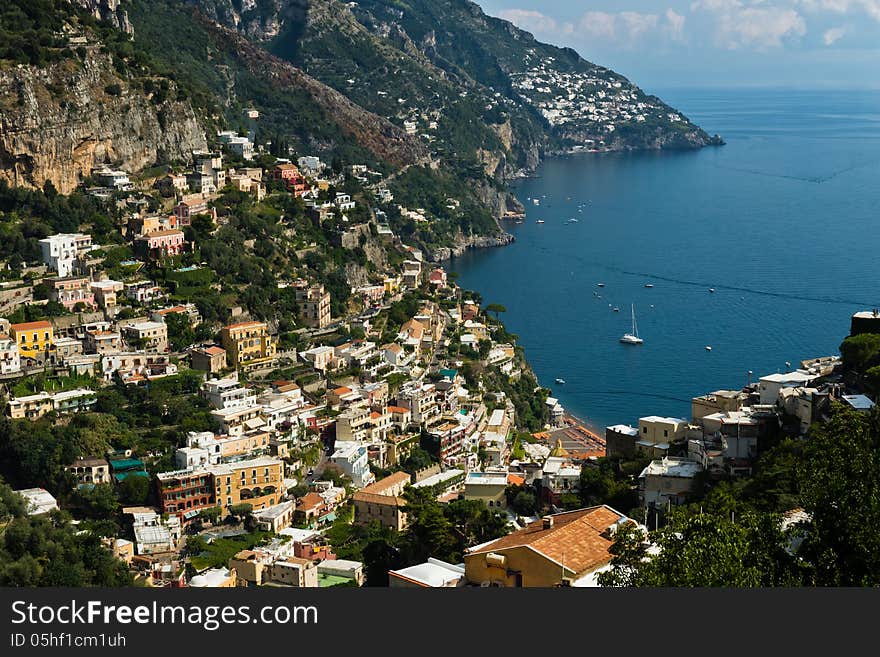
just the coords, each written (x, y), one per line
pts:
(151, 336)
(314, 306)
(248, 343)
(34, 339)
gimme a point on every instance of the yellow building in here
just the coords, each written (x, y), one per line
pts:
(248, 343)
(258, 482)
(564, 549)
(34, 339)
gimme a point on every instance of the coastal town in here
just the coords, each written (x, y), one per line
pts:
(572, 97)
(311, 435)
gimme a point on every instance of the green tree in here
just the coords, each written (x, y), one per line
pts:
(840, 487)
(861, 352)
(134, 490)
(706, 550)
(496, 309)
(98, 502)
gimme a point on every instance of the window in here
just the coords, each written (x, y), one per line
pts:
(665, 433)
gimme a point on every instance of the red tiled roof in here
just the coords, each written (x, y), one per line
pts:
(387, 483)
(243, 325)
(310, 501)
(577, 538)
(30, 326)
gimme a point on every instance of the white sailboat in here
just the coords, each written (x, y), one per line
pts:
(632, 338)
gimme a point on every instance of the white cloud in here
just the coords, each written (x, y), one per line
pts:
(629, 27)
(599, 24)
(833, 35)
(869, 7)
(755, 25)
(529, 20)
(675, 25)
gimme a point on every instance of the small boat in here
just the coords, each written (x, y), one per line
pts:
(708, 348)
(616, 309)
(600, 284)
(539, 221)
(633, 337)
(649, 285)
(536, 201)
(560, 381)
(712, 289)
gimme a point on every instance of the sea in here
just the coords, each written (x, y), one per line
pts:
(783, 223)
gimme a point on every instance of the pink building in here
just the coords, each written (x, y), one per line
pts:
(160, 244)
(438, 278)
(71, 291)
(190, 207)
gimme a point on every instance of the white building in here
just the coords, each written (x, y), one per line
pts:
(431, 574)
(152, 534)
(10, 358)
(228, 393)
(60, 251)
(241, 146)
(353, 460)
(667, 481)
(37, 501)
(770, 386)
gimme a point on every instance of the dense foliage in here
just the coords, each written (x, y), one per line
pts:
(47, 551)
(735, 535)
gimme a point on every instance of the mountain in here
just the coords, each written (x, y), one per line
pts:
(496, 95)
(449, 102)
(72, 98)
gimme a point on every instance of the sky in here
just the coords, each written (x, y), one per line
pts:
(808, 44)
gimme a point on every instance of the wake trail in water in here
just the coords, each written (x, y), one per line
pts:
(720, 286)
(815, 180)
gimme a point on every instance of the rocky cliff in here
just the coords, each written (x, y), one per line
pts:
(60, 122)
(110, 11)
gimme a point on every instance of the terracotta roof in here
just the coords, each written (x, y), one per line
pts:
(516, 480)
(576, 538)
(376, 498)
(310, 501)
(388, 482)
(244, 324)
(214, 351)
(398, 409)
(30, 326)
(342, 390)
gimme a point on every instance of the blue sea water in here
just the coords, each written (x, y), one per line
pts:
(782, 222)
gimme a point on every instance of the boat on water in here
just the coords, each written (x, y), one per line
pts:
(600, 284)
(539, 221)
(536, 201)
(712, 289)
(708, 348)
(560, 381)
(649, 285)
(633, 336)
(616, 309)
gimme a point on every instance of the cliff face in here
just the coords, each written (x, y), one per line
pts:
(110, 11)
(61, 122)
